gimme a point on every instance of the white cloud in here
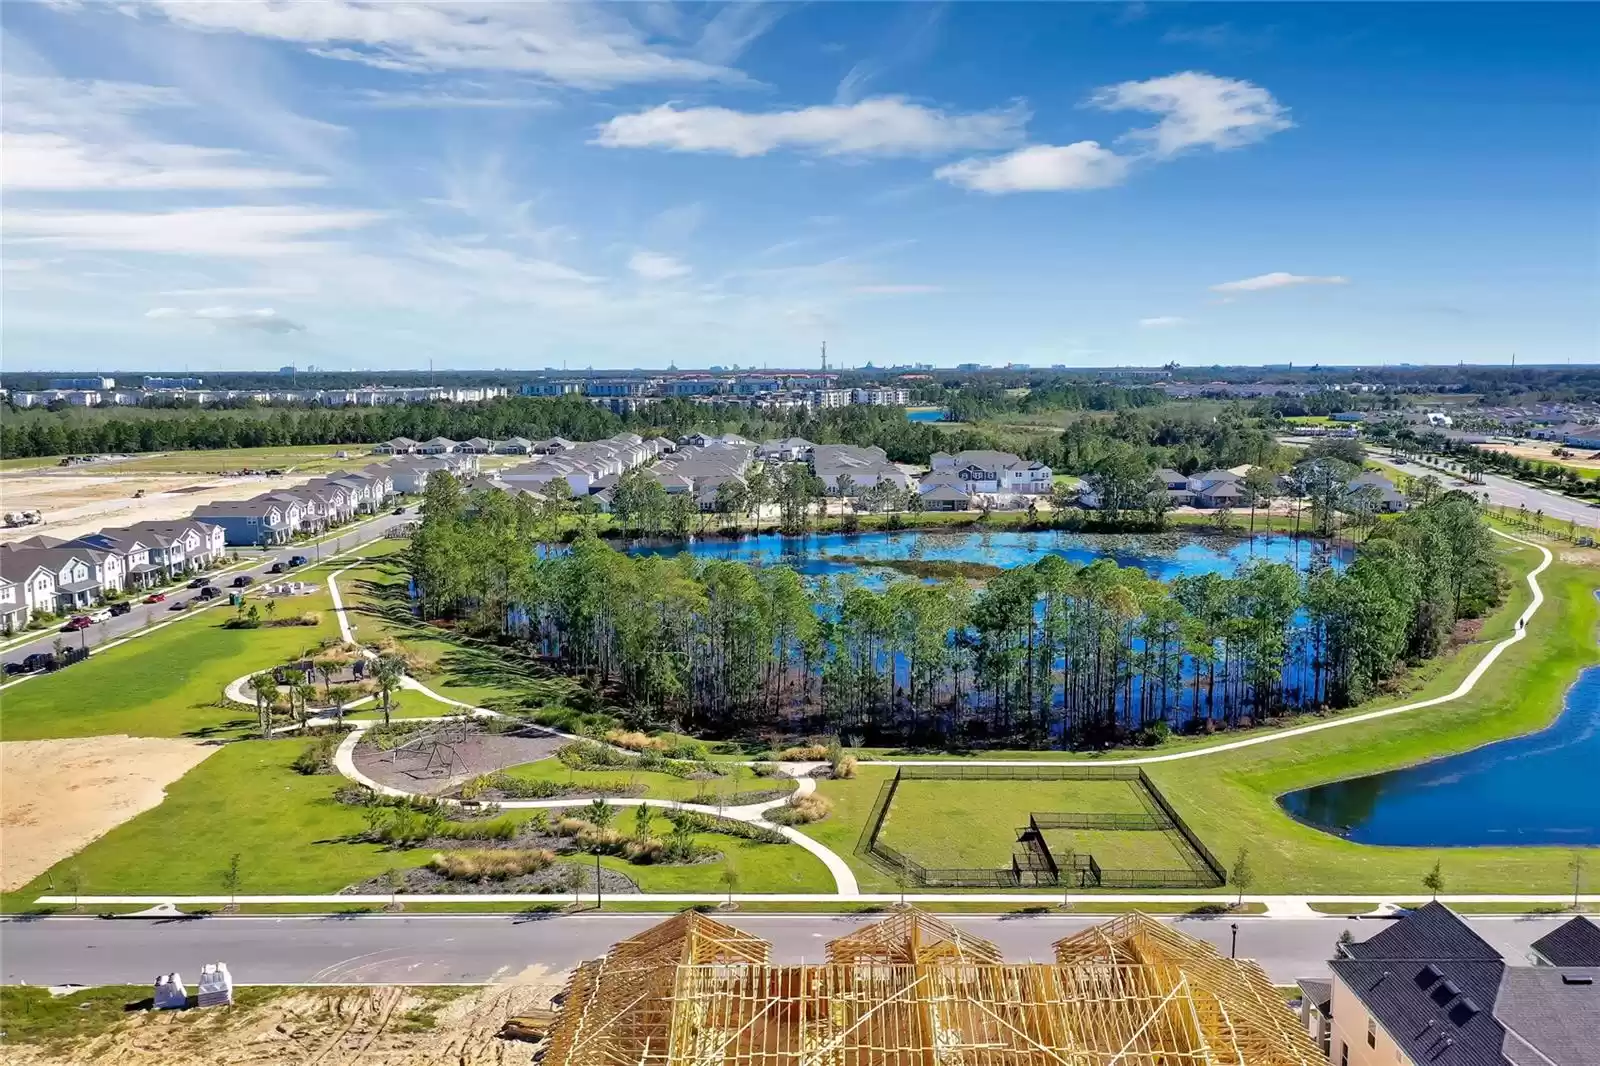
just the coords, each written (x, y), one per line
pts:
(69, 135)
(1040, 168)
(653, 266)
(1198, 110)
(897, 290)
(262, 319)
(581, 45)
(448, 100)
(58, 163)
(1162, 322)
(239, 231)
(1279, 280)
(884, 125)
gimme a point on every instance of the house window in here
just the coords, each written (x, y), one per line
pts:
(1372, 1033)
(1344, 1054)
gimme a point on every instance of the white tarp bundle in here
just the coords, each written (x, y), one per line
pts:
(170, 993)
(216, 985)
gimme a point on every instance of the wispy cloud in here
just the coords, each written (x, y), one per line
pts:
(884, 125)
(653, 266)
(448, 100)
(63, 135)
(1198, 110)
(1222, 36)
(581, 45)
(1162, 322)
(1040, 168)
(261, 319)
(1279, 280)
(240, 231)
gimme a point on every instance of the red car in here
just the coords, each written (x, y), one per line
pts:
(155, 597)
(82, 621)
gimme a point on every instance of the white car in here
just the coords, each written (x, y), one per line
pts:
(100, 616)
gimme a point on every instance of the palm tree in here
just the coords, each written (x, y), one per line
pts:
(387, 672)
(264, 687)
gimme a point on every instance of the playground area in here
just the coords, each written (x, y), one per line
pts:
(435, 757)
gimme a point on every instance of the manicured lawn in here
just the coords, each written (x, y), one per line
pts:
(165, 684)
(294, 837)
(852, 801)
(1121, 850)
(1230, 799)
(974, 824)
(656, 785)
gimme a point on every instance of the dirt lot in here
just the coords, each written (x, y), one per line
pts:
(77, 503)
(58, 795)
(436, 769)
(324, 1026)
(1582, 458)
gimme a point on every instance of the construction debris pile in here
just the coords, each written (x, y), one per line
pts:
(916, 991)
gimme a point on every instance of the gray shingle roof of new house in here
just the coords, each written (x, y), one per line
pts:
(1573, 943)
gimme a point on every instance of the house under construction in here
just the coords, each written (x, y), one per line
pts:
(915, 991)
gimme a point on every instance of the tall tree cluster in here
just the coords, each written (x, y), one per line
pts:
(1050, 653)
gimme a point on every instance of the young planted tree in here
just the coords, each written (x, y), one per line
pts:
(600, 812)
(387, 672)
(1433, 880)
(1242, 875)
(641, 822)
(264, 689)
(232, 878)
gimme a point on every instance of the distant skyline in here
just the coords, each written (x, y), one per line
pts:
(218, 185)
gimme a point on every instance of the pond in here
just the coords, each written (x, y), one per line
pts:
(926, 414)
(1163, 556)
(1537, 789)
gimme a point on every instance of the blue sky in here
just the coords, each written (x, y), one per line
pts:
(239, 184)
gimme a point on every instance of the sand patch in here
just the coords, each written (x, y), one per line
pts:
(384, 1026)
(73, 504)
(58, 795)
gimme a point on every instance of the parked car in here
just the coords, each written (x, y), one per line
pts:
(121, 608)
(399, 510)
(298, 560)
(242, 580)
(199, 582)
(101, 615)
(210, 592)
(275, 568)
(179, 605)
(39, 660)
(155, 597)
(76, 623)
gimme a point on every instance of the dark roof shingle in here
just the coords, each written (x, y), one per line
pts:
(1574, 943)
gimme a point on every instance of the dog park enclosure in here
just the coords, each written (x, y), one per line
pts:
(1029, 826)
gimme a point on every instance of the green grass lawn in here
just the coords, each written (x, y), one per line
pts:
(301, 459)
(165, 684)
(974, 824)
(294, 837)
(1230, 799)
(656, 785)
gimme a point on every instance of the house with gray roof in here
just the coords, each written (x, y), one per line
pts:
(255, 522)
(1428, 990)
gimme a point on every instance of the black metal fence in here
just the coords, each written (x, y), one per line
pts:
(1032, 862)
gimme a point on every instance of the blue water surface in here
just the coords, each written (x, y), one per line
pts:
(1162, 557)
(936, 415)
(1538, 789)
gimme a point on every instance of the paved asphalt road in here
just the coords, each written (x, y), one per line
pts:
(483, 948)
(134, 620)
(1512, 494)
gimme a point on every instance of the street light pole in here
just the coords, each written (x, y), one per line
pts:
(1233, 951)
(598, 891)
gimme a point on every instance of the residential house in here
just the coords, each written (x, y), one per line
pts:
(477, 446)
(945, 497)
(787, 450)
(1176, 486)
(381, 476)
(1316, 1010)
(1217, 488)
(27, 587)
(1428, 991)
(411, 476)
(203, 544)
(1389, 498)
(140, 559)
(436, 446)
(515, 446)
(551, 446)
(259, 521)
(864, 467)
(79, 576)
(1575, 942)
(992, 471)
(398, 446)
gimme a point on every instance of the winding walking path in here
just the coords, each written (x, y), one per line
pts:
(845, 885)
